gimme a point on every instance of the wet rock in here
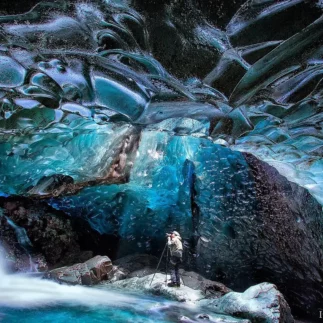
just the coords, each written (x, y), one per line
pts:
(157, 286)
(260, 303)
(142, 265)
(18, 257)
(203, 317)
(91, 272)
(73, 275)
(117, 274)
(52, 235)
(210, 288)
(99, 267)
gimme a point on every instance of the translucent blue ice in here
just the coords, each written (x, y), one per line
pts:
(87, 93)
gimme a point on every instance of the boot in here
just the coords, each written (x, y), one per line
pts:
(172, 284)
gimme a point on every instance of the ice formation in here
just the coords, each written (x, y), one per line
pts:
(139, 124)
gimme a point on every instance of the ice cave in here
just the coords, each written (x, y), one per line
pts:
(161, 161)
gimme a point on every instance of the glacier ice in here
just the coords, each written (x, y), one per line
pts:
(59, 79)
(139, 118)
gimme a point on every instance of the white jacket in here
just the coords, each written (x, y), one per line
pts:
(175, 246)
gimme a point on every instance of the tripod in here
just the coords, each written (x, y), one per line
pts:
(161, 257)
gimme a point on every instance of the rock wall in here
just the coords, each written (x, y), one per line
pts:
(280, 241)
(53, 238)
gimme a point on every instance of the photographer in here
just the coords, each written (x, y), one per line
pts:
(176, 252)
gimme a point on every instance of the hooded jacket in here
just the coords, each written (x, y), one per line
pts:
(175, 246)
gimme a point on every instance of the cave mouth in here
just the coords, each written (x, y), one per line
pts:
(123, 120)
(243, 224)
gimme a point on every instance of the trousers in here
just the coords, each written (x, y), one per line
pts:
(174, 269)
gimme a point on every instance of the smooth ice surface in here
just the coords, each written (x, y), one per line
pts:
(68, 96)
(167, 174)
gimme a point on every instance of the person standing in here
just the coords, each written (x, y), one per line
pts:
(176, 253)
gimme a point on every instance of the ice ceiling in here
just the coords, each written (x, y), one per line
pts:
(105, 92)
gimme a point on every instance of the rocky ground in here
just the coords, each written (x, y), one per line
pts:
(260, 303)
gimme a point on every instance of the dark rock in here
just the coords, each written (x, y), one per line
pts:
(51, 234)
(91, 272)
(18, 258)
(57, 240)
(138, 265)
(277, 239)
(99, 267)
(17, 7)
(293, 220)
(203, 317)
(174, 35)
(219, 12)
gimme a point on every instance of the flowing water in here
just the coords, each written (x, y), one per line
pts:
(24, 242)
(25, 299)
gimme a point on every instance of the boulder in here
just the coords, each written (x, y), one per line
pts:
(100, 267)
(261, 303)
(90, 272)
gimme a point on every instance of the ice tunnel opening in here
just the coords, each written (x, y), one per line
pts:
(242, 222)
(123, 120)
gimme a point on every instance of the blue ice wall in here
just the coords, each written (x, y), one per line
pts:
(75, 147)
(136, 117)
(169, 174)
(66, 69)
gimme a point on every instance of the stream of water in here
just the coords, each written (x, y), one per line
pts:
(27, 299)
